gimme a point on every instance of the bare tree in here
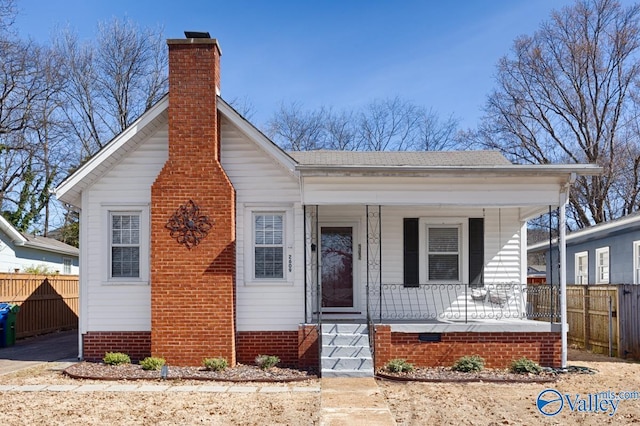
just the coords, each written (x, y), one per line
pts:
(435, 134)
(381, 125)
(112, 81)
(564, 96)
(296, 129)
(389, 124)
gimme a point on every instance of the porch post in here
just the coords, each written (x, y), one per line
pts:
(562, 257)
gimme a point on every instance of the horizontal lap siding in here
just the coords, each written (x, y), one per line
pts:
(119, 307)
(260, 181)
(502, 261)
(502, 246)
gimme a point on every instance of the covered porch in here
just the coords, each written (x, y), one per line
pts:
(432, 258)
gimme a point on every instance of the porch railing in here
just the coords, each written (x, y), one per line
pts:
(464, 303)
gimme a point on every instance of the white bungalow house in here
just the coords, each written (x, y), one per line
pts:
(200, 238)
(20, 252)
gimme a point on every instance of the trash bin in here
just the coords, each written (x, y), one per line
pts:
(8, 313)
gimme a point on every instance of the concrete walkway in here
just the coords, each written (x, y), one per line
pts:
(164, 387)
(353, 401)
(37, 350)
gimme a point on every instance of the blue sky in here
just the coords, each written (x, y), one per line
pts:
(439, 54)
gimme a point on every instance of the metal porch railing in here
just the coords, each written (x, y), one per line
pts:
(464, 303)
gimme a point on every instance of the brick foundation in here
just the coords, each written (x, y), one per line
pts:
(498, 349)
(294, 348)
(136, 344)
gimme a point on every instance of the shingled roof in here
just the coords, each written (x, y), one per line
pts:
(404, 158)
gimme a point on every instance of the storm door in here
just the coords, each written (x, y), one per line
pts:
(336, 250)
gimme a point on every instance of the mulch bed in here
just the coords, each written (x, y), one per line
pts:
(239, 373)
(446, 374)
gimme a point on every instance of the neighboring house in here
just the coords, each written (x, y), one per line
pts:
(20, 251)
(606, 253)
(199, 237)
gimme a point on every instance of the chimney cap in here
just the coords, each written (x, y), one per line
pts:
(197, 34)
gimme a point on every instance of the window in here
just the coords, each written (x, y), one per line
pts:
(636, 262)
(125, 245)
(66, 266)
(602, 265)
(581, 266)
(268, 231)
(443, 253)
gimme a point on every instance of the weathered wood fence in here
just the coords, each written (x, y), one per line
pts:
(602, 318)
(47, 303)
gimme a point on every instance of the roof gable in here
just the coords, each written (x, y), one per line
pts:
(70, 189)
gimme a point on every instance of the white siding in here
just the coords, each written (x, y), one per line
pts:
(503, 261)
(106, 306)
(261, 183)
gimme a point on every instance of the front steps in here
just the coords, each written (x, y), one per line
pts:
(345, 350)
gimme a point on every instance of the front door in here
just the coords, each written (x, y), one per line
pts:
(336, 249)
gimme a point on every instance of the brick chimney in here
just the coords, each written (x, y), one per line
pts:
(193, 273)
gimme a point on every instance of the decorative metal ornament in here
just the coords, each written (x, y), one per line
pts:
(188, 226)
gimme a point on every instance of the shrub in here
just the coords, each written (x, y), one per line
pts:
(152, 363)
(267, 361)
(40, 270)
(399, 366)
(524, 366)
(215, 364)
(467, 364)
(116, 358)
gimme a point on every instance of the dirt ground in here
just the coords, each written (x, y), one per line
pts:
(515, 404)
(410, 403)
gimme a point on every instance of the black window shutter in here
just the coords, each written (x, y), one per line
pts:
(411, 249)
(476, 251)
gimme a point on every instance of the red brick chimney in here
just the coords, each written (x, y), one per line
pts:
(193, 218)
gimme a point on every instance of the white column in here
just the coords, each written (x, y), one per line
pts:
(562, 260)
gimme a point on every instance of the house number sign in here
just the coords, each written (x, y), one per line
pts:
(188, 226)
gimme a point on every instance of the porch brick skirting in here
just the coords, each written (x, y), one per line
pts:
(498, 349)
(136, 344)
(294, 348)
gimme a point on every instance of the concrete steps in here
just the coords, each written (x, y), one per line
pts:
(345, 350)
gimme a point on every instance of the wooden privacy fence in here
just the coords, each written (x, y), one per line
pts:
(602, 318)
(605, 318)
(47, 303)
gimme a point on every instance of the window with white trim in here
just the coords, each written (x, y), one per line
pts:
(581, 267)
(125, 244)
(636, 262)
(602, 265)
(268, 245)
(443, 253)
(66, 265)
(127, 249)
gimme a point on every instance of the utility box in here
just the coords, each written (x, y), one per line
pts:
(8, 315)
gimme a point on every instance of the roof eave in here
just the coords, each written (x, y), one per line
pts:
(68, 192)
(507, 170)
(60, 250)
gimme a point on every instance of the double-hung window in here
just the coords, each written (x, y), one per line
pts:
(125, 244)
(66, 265)
(602, 265)
(581, 266)
(269, 238)
(443, 253)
